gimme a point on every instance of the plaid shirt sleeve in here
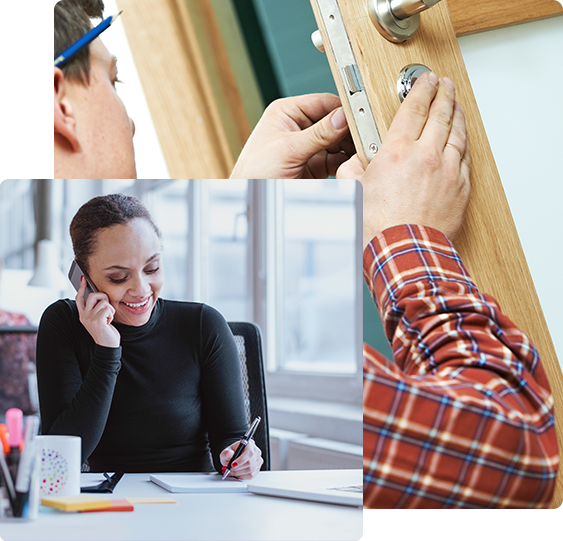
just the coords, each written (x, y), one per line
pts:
(464, 416)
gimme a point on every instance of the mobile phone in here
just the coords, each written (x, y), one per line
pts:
(74, 275)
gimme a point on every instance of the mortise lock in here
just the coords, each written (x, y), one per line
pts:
(398, 20)
(335, 42)
(408, 76)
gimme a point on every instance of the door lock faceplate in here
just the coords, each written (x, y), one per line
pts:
(349, 74)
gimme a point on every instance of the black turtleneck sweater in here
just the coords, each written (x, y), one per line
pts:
(161, 402)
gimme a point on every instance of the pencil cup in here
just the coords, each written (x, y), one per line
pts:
(25, 505)
(60, 460)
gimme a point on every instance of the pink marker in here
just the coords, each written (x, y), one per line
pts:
(14, 423)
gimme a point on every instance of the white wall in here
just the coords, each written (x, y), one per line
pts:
(517, 77)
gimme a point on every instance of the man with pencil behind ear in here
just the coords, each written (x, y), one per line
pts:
(298, 137)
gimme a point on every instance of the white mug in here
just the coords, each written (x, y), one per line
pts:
(60, 463)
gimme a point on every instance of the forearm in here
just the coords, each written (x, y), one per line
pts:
(433, 313)
(467, 383)
(226, 418)
(71, 406)
(221, 385)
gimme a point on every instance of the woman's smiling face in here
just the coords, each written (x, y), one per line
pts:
(126, 266)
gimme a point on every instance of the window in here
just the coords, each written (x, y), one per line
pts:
(317, 305)
(17, 224)
(167, 205)
(227, 227)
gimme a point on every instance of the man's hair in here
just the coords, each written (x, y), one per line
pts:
(72, 21)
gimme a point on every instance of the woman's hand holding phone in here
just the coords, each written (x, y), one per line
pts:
(96, 314)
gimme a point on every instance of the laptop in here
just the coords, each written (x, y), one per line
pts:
(341, 487)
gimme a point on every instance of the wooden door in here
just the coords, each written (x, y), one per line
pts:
(197, 108)
(488, 244)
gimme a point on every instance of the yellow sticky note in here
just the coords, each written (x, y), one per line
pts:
(76, 503)
(151, 500)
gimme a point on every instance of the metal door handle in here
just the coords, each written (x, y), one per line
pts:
(403, 9)
(398, 20)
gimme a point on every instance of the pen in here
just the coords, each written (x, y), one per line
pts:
(242, 445)
(14, 419)
(85, 40)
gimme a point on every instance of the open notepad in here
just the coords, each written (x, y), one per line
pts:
(189, 482)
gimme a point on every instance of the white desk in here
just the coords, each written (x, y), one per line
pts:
(197, 517)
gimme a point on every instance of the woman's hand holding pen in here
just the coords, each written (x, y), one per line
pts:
(248, 464)
(96, 314)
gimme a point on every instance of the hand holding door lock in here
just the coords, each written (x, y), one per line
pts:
(408, 76)
(347, 71)
(398, 20)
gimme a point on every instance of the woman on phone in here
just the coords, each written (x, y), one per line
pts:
(150, 385)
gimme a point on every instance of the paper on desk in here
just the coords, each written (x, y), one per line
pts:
(188, 482)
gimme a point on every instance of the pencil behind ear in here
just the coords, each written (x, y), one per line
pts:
(64, 120)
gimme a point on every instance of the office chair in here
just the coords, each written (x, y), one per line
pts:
(18, 387)
(249, 344)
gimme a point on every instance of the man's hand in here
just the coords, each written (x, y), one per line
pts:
(299, 137)
(421, 173)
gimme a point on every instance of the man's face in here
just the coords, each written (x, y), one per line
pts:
(105, 131)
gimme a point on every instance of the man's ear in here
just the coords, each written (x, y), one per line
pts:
(65, 122)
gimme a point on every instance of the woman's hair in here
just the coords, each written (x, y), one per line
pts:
(100, 213)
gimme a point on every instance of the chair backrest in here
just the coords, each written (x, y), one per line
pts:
(249, 344)
(17, 368)
(21, 329)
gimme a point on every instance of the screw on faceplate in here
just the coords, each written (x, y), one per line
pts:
(373, 148)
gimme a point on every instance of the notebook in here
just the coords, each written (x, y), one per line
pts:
(189, 482)
(342, 487)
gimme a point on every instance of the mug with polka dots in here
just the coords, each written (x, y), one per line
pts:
(60, 462)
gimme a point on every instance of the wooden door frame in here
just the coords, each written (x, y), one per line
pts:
(201, 109)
